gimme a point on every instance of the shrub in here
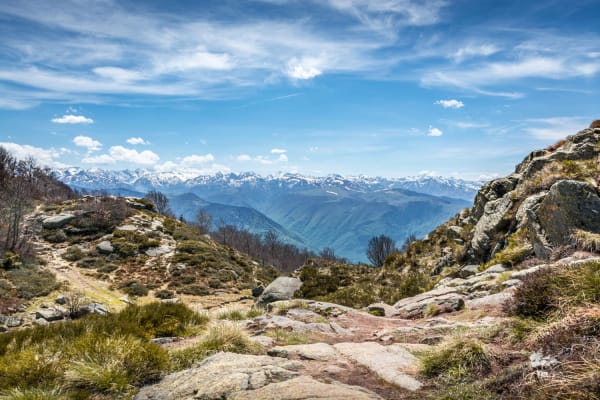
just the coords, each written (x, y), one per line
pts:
(195, 289)
(33, 394)
(31, 281)
(54, 235)
(231, 314)
(537, 296)
(458, 359)
(164, 294)
(91, 262)
(73, 253)
(133, 287)
(515, 252)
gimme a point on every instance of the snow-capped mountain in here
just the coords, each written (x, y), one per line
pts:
(142, 181)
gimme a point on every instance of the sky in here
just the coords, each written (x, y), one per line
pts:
(381, 88)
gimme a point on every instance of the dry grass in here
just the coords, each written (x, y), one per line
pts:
(585, 240)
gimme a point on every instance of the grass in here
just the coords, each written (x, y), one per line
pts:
(221, 336)
(285, 337)
(282, 307)
(456, 360)
(30, 281)
(95, 356)
(515, 252)
(585, 240)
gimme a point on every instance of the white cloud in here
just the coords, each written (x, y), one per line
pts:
(452, 103)
(118, 74)
(137, 140)
(87, 142)
(120, 153)
(196, 159)
(200, 60)
(468, 125)
(555, 128)
(46, 157)
(72, 119)
(303, 69)
(278, 151)
(146, 157)
(282, 158)
(434, 132)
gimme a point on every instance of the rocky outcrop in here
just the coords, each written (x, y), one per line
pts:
(282, 288)
(569, 205)
(490, 223)
(237, 376)
(57, 221)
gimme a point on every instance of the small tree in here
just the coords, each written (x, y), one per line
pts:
(203, 222)
(328, 254)
(160, 201)
(379, 248)
(406, 244)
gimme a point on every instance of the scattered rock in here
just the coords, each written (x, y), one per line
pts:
(282, 288)
(263, 340)
(497, 268)
(388, 362)
(539, 361)
(489, 224)
(105, 247)
(126, 300)
(257, 291)
(164, 340)
(467, 271)
(96, 308)
(57, 221)
(174, 300)
(49, 314)
(127, 228)
(381, 310)
(60, 299)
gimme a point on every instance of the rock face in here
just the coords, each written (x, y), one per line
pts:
(569, 205)
(490, 223)
(282, 288)
(236, 376)
(105, 247)
(57, 221)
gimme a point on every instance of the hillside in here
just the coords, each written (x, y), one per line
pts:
(500, 302)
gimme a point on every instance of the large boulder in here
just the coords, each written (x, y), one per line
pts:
(282, 288)
(490, 223)
(444, 299)
(57, 221)
(569, 205)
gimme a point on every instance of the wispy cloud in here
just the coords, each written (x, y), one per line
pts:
(72, 119)
(281, 157)
(278, 151)
(554, 128)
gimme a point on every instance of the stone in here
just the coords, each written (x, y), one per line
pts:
(314, 351)
(263, 340)
(127, 228)
(446, 299)
(497, 268)
(569, 205)
(306, 388)
(105, 247)
(125, 299)
(220, 377)
(281, 322)
(164, 340)
(49, 314)
(96, 308)
(388, 362)
(60, 299)
(57, 221)
(174, 300)
(492, 300)
(530, 203)
(467, 270)
(282, 288)
(538, 361)
(159, 251)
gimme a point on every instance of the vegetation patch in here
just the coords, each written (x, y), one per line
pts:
(459, 359)
(585, 240)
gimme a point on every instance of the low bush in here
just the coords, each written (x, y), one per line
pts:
(54, 235)
(133, 287)
(164, 294)
(73, 253)
(194, 289)
(585, 240)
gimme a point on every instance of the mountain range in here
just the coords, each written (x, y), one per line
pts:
(342, 213)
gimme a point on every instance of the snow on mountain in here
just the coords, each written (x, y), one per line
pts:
(142, 180)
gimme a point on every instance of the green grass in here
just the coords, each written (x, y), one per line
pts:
(285, 337)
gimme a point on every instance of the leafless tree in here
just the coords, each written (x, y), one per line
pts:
(160, 201)
(379, 248)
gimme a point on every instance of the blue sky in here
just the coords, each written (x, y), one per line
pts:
(389, 87)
